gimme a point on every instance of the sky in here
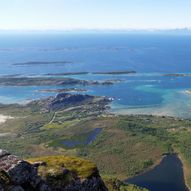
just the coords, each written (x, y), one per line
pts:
(94, 14)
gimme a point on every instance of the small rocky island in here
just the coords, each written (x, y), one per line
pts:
(85, 73)
(116, 72)
(178, 75)
(31, 63)
(67, 73)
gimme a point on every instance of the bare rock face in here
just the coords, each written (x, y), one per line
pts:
(16, 188)
(94, 184)
(19, 175)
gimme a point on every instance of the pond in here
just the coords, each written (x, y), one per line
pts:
(83, 140)
(167, 176)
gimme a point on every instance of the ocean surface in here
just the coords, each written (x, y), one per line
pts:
(150, 55)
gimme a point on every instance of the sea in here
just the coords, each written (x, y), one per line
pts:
(151, 55)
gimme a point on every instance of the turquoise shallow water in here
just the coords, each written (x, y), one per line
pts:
(147, 92)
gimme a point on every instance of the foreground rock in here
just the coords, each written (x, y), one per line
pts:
(20, 175)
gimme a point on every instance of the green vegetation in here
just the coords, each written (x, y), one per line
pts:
(126, 146)
(50, 81)
(117, 185)
(55, 165)
(53, 171)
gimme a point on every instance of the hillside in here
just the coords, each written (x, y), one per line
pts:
(120, 146)
(53, 173)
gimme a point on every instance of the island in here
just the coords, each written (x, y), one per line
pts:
(51, 81)
(116, 72)
(67, 73)
(62, 90)
(177, 75)
(85, 73)
(41, 63)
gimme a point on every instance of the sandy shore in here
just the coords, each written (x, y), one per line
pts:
(4, 118)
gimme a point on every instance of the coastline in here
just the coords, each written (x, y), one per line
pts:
(174, 162)
(156, 163)
(186, 169)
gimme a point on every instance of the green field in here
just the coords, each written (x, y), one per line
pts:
(126, 146)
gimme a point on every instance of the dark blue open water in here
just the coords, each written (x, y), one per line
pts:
(150, 55)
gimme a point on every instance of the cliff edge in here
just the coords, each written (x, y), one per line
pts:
(54, 173)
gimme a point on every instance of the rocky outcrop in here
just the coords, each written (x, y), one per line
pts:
(65, 100)
(19, 175)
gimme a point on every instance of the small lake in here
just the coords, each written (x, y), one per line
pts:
(167, 176)
(86, 140)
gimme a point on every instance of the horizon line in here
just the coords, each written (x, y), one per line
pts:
(188, 29)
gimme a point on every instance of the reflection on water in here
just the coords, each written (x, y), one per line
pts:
(167, 176)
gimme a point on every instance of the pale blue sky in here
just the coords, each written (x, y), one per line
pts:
(94, 14)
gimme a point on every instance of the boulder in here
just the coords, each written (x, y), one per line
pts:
(20, 173)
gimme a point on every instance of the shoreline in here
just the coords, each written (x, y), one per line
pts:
(186, 171)
(149, 168)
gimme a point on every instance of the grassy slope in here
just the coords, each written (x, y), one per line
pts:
(126, 146)
(82, 169)
(116, 185)
(55, 164)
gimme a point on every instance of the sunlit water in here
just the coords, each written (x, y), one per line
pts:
(147, 92)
